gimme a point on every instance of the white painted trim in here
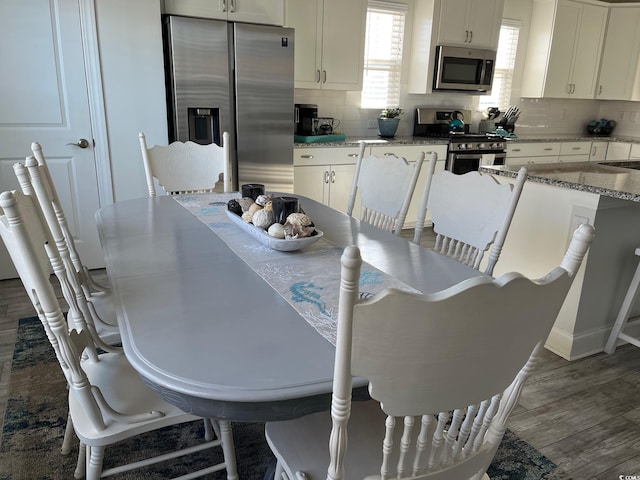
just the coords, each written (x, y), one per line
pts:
(574, 347)
(97, 111)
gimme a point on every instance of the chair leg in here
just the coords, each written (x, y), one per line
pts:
(68, 436)
(95, 458)
(625, 309)
(81, 466)
(208, 430)
(228, 449)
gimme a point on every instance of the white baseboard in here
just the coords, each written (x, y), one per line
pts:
(573, 347)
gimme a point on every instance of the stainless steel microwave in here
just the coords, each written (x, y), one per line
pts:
(463, 69)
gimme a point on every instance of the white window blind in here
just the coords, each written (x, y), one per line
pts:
(383, 54)
(505, 62)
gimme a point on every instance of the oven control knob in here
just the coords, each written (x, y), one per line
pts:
(482, 146)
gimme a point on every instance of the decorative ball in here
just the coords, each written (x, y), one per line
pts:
(263, 218)
(234, 206)
(276, 230)
(254, 208)
(245, 203)
(262, 200)
(247, 216)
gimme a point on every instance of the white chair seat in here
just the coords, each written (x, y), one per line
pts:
(124, 391)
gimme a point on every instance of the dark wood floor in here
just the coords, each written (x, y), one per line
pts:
(583, 415)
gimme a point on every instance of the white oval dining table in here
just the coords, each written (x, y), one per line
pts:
(206, 332)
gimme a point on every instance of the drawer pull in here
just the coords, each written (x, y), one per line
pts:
(548, 149)
(516, 150)
(576, 148)
(352, 155)
(306, 156)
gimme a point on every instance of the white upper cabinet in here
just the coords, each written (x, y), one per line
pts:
(329, 39)
(563, 54)
(619, 76)
(266, 12)
(467, 23)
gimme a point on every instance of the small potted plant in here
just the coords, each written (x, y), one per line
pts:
(388, 121)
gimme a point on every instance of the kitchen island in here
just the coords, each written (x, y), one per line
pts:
(555, 200)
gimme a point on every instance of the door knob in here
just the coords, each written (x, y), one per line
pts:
(82, 143)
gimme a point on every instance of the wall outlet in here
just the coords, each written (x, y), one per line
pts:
(372, 123)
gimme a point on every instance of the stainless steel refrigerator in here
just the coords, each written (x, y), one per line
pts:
(236, 78)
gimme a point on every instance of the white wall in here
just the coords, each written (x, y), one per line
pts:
(130, 42)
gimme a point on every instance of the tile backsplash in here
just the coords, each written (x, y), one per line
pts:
(539, 116)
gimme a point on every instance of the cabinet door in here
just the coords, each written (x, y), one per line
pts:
(343, 31)
(485, 17)
(618, 151)
(452, 27)
(567, 22)
(598, 151)
(313, 182)
(340, 181)
(266, 12)
(620, 55)
(196, 8)
(306, 18)
(586, 58)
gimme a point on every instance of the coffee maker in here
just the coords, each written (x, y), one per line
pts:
(305, 117)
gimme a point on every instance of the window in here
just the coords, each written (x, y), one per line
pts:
(505, 61)
(383, 54)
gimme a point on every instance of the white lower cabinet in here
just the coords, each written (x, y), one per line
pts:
(598, 151)
(618, 151)
(325, 174)
(574, 152)
(527, 153)
(635, 152)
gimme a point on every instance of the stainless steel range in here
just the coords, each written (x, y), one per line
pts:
(467, 151)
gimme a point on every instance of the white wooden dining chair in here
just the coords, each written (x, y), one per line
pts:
(445, 371)
(626, 326)
(187, 167)
(386, 185)
(108, 401)
(87, 281)
(471, 214)
(97, 306)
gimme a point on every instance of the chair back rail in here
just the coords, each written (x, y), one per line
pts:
(186, 167)
(471, 214)
(386, 185)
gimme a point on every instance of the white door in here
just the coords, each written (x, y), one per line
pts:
(43, 93)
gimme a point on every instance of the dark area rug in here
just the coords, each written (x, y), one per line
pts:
(36, 417)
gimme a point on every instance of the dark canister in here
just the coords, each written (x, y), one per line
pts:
(282, 207)
(252, 190)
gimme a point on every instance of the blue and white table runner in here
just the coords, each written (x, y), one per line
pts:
(308, 279)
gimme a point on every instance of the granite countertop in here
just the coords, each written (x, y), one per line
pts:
(548, 137)
(353, 141)
(610, 179)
